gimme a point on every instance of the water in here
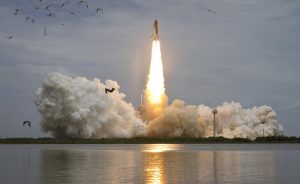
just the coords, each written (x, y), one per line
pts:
(152, 163)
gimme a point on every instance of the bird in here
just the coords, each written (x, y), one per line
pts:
(31, 19)
(81, 2)
(109, 90)
(17, 11)
(27, 122)
(209, 10)
(71, 12)
(86, 4)
(10, 37)
(50, 14)
(63, 24)
(99, 9)
(62, 5)
(47, 7)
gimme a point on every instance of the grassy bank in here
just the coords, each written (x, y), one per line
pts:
(149, 140)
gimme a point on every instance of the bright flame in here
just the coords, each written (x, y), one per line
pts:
(155, 90)
(155, 98)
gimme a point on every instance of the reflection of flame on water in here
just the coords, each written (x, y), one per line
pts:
(154, 166)
(154, 173)
(155, 158)
(158, 148)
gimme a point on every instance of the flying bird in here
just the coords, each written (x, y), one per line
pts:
(31, 19)
(99, 9)
(209, 10)
(83, 2)
(63, 4)
(10, 37)
(47, 7)
(50, 14)
(17, 11)
(27, 122)
(71, 12)
(109, 90)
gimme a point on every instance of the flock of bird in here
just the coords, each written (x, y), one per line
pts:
(49, 8)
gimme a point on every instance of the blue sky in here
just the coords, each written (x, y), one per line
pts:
(248, 52)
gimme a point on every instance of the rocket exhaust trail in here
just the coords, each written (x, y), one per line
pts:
(155, 98)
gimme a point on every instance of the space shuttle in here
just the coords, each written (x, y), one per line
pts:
(155, 31)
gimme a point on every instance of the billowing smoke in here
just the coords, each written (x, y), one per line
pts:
(78, 107)
(177, 120)
(233, 121)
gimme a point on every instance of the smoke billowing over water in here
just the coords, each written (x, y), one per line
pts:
(78, 107)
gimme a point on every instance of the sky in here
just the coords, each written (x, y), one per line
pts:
(247, 52)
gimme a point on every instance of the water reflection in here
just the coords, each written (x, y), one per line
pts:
(150, 164)
(157, 148)
(170, 164)
(89, 166)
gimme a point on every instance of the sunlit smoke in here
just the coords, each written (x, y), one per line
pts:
(78, 107)
(155, 97)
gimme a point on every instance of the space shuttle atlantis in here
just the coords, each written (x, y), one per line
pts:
(155, 31)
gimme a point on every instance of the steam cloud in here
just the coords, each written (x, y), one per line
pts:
(78, 107)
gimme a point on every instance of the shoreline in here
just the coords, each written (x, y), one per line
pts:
(149, 140)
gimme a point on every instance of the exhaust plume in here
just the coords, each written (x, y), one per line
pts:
(179, 119)
(78, 107)
(155, 98)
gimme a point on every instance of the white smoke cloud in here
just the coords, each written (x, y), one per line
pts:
(78, 107)
(177, 120)
(233, 121)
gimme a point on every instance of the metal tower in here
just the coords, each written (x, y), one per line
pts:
(215, 121)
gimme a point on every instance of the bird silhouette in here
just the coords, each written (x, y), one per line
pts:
(27, 122)
(10, 37)
(47, 7)
(62, 5)
(50, 14)
(31, 19)
(109, 90)
(209, 10)
(99, 9)
(71, 12)
(16, 11)
(82, 2)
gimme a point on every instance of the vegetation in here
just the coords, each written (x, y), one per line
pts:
(149, 140)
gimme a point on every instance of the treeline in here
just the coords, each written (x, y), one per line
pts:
(149, 140)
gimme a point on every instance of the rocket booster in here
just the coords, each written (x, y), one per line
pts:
(155, 31)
